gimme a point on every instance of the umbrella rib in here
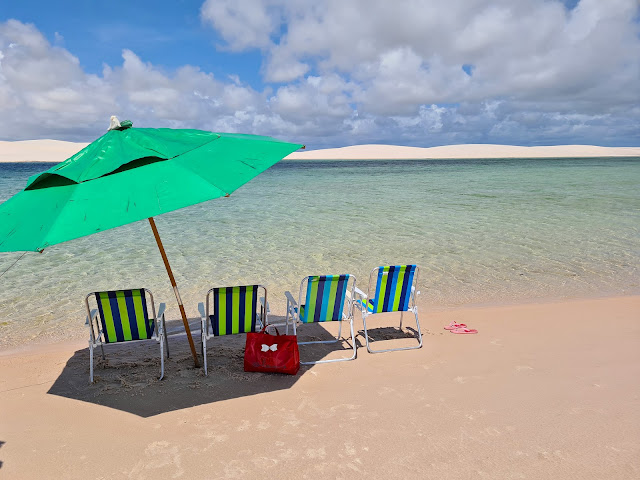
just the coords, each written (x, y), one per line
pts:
(199, 175)
(217, 136)
(43, 243)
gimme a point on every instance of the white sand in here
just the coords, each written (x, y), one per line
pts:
(373, 152)
(57, 151)
(38, 151)
(544, 391)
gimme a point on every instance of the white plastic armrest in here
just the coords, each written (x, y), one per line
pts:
(360, 293)
(203, 315)
(265, 306)
(161, 309)
(94, 314)
(290, 298)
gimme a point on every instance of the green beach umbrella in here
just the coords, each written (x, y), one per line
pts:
(130, 174)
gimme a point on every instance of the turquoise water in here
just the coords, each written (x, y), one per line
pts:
(482, 231)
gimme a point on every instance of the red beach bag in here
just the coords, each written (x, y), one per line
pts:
(271, 353)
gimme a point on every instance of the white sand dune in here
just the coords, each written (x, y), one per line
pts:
(56, 151)
(372, 152)
(38, 150)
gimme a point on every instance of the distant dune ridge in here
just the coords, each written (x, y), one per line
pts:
(369, 152)
(56, 151)
(38, 150)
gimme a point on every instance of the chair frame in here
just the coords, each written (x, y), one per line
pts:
(364, 297)
(294, 312)
(96, 335)
(205, 323)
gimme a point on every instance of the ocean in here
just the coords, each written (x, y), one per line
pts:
(494, 231)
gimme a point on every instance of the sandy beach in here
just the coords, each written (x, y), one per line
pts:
(543, 391)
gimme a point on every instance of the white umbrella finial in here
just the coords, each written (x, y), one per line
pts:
(115, 123)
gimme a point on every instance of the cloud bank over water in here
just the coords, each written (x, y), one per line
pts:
(335, 73)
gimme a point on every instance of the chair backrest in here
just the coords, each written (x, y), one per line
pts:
(393, 288)
(124, 315)
(325, 298)
(235, 309)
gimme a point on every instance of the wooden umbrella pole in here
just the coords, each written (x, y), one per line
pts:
(175, 290)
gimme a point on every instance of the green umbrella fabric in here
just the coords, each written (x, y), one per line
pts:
(129, 175)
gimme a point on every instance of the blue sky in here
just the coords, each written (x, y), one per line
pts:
(168, 34)
(326, 72)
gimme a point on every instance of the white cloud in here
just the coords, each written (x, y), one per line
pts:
(362, 71)
(242, 23)
(44, 93)
(400, 59)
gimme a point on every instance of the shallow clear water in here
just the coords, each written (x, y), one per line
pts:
(482, 231)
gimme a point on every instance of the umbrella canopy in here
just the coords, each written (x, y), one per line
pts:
(130, 174)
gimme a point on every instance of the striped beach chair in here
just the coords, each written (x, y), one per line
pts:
(327, 298)
(394, 291)
(123, 316)
(231, 310)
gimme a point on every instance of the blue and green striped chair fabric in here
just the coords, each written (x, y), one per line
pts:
(393, 289)
(234, 309)
(325, 298)
(368, 304)
(124, 315)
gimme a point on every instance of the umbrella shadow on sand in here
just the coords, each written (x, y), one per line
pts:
(128, 379)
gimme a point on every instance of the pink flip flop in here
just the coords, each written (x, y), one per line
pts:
(464, 330)
(453, 325)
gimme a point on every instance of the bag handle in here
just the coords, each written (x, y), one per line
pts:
(269, 325)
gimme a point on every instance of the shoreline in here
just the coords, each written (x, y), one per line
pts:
(542, 391)
(55, 151)
(425, 308)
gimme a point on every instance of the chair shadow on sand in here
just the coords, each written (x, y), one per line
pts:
(128, 379)
(379, 334)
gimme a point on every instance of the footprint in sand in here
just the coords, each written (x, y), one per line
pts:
(316, 453)
(385, 391)
(522, 368)
(160, 456)
(244, 425)
(349, 449)
(217, 438)
(263, 425)
(466, 379)
(264, 462)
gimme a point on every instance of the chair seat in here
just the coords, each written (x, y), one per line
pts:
(368, 304)
(295, 309)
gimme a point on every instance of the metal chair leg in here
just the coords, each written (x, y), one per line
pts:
(204, 353)
(166, 338)
(90, 361)
(161, 358)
